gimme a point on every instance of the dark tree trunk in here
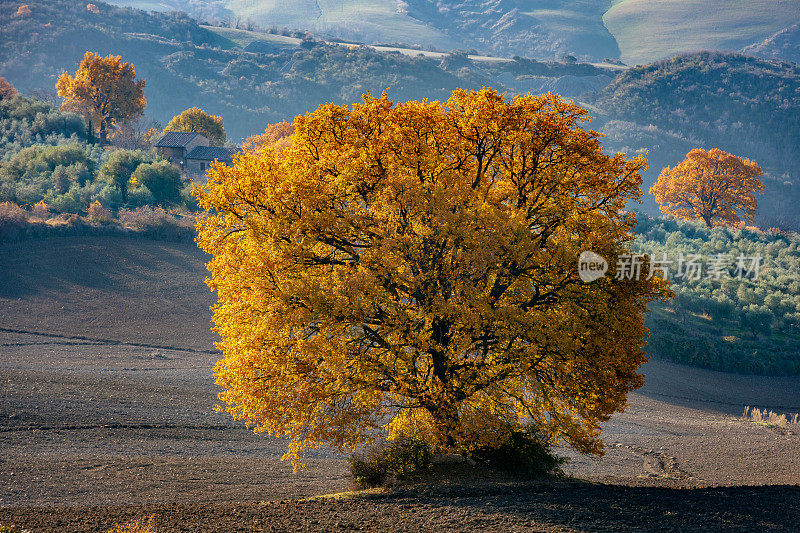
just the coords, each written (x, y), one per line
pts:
(103, 134)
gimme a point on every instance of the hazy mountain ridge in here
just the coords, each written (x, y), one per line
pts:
(186, 64)
(744, 105)
(785, 45)
(638, 31)
(512, 27)
(542, 30)
(650, 30)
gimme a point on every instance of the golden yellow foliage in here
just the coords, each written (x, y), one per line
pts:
(41, 210)
(196, 120)
(710, 185)
(104, 89)
(277, 135)
(412, 269)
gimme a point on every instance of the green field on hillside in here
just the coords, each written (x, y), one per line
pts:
(244, 37)
(647, 30)
(372, 21)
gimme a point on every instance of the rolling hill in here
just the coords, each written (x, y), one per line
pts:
(543, 30)
(648, 30)
(637, 31)
(250, 78)
(783, 45)
(185, 64)
(743, 105)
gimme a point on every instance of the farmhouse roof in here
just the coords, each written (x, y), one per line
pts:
(210, 153)
(176, 139)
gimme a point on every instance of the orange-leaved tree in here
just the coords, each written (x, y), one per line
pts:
(411, 270)
(105, 90)
(196, 120)
(711, 185)
(7, 91)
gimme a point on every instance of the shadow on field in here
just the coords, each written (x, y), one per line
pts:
(557, 506)
(607, 507)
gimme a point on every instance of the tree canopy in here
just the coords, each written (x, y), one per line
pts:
(276, 135)
(411, 269)
(7, 91)
(712, 185)
(196, 120)
(105, 90)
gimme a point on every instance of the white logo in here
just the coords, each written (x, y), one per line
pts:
(591, 266)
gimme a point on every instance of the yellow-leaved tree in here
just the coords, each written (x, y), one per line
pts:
(411, 269)
(711, 185)
(196, 120)
(105, 90)
(278, 136)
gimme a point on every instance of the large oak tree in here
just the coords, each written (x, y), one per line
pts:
(412, 269)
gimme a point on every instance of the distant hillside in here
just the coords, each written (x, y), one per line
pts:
(648, 30)
(547, 30)
(185, 64)
(744, 105)
(747, 325)
(783, 45)
(638, 31)
(249, 78)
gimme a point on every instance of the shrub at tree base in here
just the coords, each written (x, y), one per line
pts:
(396, 460)
(525, 453)
(416, 264)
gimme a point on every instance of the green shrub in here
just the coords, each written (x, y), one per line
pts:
(119, 168)
(526, 453)
(140, 196)
(398, 459)
(37, 170)
(161, 178)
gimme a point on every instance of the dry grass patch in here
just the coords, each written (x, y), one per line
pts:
(770, 418)
(135, 526)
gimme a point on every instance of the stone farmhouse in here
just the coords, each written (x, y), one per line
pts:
(191, 152)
